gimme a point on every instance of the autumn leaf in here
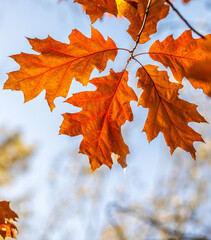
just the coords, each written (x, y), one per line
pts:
(167, 113)
(7, 216)
(201, 71)
(58, 63)
(105, 110)
(135, 10)
(103, 113)
(96, 9)
(133, 3)
(181, 54)
(184, 1)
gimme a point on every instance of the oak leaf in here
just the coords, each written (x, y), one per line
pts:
(58, 63)
(201, 71)
(135, 11)
(96, 9)
(7, 216)
(185, 1)
(103, 113)
(167, 113)
(181, 54)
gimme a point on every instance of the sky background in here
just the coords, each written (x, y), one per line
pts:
(39, 18)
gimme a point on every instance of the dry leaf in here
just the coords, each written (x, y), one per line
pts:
(103, 113)
(58, 63)
(135, 10)
(200, 72)
(179, 55)
(167, 113)
(7, 216)
(96, 9)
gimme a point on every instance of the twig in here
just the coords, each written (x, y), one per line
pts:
(118, 229)
(184, 20)
(141, 30)
(147, 218)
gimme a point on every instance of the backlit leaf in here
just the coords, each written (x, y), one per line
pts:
(103, 113)
(58, 63)
(96, 9)
(181, 54)
(167, 113)
(200, 72)
(135, 10)
(7, 216)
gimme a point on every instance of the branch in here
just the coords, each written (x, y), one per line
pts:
(184, 20)
(118, 229)
(147, 218)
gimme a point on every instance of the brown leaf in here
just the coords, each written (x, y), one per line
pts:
(7, 216)
(167, 113)
(135, 10)
(180, 55)
(58, 63)
(96, 9)
(103, 113)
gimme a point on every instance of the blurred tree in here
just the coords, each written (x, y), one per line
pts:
(179, 207)
(13, 155)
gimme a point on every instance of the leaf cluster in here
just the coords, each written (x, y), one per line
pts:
(107, 108)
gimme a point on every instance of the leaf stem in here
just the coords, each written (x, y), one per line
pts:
(137, 61)
(124, 49)
(138, 54)
(184, 20)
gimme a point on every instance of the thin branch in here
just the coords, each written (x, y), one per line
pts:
(124, 49)
(184, 20)
(143, 53)
(147, 218)
(137, 61)
(117, 228)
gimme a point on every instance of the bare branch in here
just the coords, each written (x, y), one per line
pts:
(184, 20)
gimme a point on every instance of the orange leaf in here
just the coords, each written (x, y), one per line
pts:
(201, 72)
(167, 113)
(96, 9)
(58, 63)
(135, 10)
(103, 113)
(7, 216)
(185, 1)
(181, 54)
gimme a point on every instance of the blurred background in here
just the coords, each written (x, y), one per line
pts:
(50, 185)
